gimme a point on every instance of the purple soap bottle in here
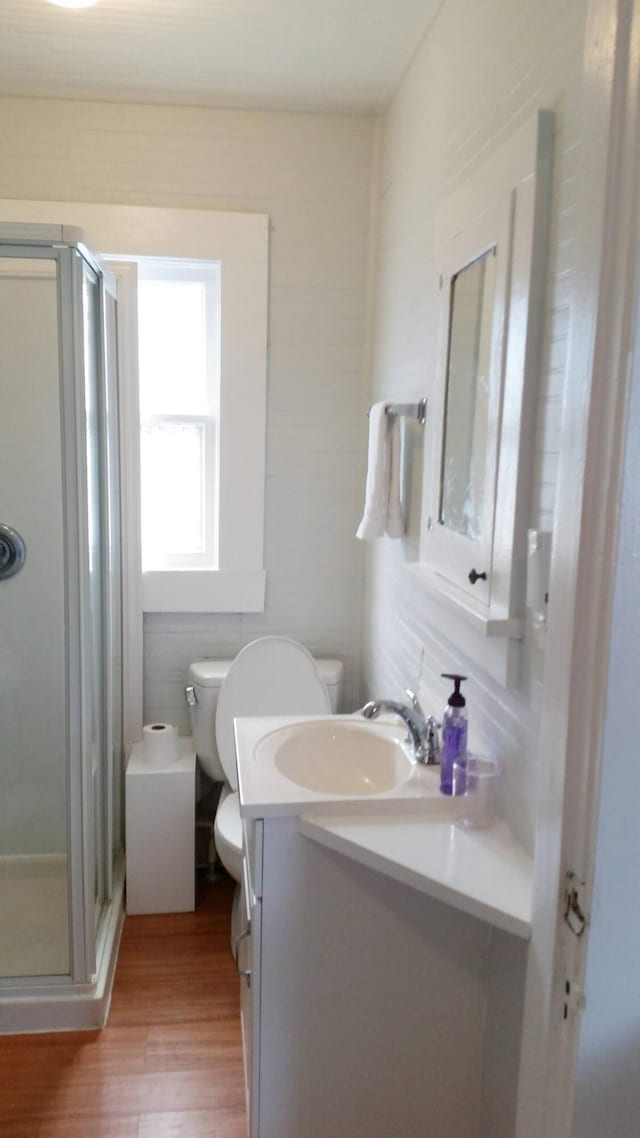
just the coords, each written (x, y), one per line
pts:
(454, 737)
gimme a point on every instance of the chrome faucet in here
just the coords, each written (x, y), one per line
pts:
(423, 731)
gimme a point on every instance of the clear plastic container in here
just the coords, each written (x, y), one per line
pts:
(475, 782)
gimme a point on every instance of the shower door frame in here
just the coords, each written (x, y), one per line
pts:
(82, 875)
(39, 1002)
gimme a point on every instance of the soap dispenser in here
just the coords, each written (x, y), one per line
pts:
(454, 736)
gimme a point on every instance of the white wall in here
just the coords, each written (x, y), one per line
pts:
(482, 71)
(311, 173)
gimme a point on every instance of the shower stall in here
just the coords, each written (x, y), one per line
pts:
(61, 748)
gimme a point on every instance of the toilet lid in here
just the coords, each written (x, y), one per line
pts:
(271, 676)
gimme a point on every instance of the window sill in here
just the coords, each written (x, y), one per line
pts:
(204, 590)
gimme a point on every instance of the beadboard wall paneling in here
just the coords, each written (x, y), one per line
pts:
(482, 71)
(312, 175)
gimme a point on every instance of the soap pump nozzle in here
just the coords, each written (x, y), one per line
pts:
(456, 699)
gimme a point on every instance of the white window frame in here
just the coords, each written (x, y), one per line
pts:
(240, 242)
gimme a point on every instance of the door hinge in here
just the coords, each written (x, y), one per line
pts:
(574, 905)
(575, 1000)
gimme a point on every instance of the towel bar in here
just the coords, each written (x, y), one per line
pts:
(409, 410)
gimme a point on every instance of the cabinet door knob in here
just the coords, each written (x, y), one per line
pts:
(475, 576)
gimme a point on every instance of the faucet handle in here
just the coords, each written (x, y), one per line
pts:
(432, 740)
(415, 702)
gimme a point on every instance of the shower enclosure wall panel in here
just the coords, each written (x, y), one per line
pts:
(34, 932)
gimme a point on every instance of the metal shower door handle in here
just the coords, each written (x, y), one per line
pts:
(13, 552)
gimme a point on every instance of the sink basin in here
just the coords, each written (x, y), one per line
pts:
(337, 757)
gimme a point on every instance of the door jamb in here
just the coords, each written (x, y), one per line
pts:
(583, 568)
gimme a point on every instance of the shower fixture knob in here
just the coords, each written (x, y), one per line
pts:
(13, 552)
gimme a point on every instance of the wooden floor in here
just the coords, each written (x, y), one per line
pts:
(169, 1062)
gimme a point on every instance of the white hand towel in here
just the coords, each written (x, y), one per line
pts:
(395, 520)
(383, 477)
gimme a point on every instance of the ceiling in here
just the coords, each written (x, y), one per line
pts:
(319, 55)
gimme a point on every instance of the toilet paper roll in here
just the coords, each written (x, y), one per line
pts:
(160, 743)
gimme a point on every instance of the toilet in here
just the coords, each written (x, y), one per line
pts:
(271, 676)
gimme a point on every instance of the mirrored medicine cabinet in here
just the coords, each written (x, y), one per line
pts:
(490, 248)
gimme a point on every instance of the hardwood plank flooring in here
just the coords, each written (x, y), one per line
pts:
(169, 1062)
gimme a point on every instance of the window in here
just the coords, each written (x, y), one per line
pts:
(179, 380)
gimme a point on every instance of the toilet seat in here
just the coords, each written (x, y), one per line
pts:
(228, 833)
(271, 676)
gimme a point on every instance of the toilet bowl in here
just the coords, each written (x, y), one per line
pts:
(271, 676)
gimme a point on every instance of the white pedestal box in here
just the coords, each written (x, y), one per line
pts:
(160, 832)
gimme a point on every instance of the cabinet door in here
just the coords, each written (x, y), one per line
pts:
(373, 1001)
(249, 968)
(252, 844)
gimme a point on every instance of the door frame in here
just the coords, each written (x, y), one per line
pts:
(583, 566)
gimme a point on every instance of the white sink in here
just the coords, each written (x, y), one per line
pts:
(337, 756)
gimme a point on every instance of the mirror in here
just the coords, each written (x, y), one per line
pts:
(462, 480)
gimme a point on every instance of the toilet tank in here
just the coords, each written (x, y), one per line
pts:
(207, 677)
(331, 672)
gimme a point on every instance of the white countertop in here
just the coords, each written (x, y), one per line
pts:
(485, 873)
(408, 833)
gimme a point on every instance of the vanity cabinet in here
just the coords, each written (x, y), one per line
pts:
(366, 1005)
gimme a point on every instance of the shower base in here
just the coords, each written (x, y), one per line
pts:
(34, 930)
(33, 934)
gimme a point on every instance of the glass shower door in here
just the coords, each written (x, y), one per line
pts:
(99, 683)
(34, 846)
(94, 648)
(113, 792)
(104, 649)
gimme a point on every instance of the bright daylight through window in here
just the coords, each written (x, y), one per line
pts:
(179, 376)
